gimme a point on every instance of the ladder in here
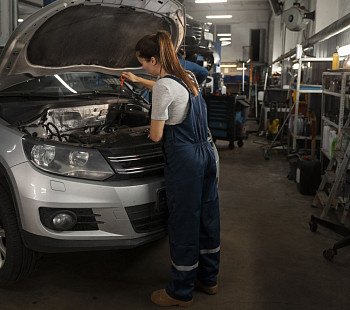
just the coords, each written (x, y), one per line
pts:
(334, 177)
(333, 180)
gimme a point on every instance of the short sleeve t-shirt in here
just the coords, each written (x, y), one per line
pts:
(170, 101)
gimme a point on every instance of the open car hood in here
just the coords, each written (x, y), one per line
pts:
(86, 35)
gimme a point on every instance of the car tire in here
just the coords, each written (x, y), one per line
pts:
(16, 261)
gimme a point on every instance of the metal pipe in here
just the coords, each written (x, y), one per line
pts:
(333, 29)
(14, 14)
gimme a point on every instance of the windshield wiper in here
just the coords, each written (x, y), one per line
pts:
(94, 94)
(28, 95)
(145, 103)
(83, 95)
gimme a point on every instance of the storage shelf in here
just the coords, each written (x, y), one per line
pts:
(300, 88)
(342, 78)
(310, 90)
(313, 59)
(328, 121)
(327, 92)
(338, 72)
(303, 137)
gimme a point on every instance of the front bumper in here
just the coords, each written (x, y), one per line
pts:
(108, 199)
(50, 245)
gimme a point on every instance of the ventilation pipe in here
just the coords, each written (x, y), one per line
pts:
(333, 29)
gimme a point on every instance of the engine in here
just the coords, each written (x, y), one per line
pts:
(103, 124)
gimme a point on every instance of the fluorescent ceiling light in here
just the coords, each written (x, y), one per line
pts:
(218, 16)
(225, 43)
(209, 1)
(224, 34)
(228, 66)
(344, 50)
(225, 39)
(65, 84)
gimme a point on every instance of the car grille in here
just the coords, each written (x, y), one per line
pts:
(137, 163)
(149, 217)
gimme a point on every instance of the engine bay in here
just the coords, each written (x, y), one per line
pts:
(95, 124)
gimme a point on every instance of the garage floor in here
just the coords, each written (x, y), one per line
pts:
(270, 258)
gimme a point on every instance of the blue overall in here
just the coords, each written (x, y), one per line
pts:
(192, 197)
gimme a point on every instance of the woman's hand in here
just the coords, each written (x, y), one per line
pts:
(131, 77)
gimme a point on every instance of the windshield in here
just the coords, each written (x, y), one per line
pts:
(68, 85)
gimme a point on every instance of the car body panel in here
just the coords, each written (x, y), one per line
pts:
(108, 199)
(39, 48)
(86, 35)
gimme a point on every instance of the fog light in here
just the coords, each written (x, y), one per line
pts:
(64, 220)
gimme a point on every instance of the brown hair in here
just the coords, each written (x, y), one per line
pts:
(159, 45)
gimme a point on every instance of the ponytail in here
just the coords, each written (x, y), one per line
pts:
(159, 45)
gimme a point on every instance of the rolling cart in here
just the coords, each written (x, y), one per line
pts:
(222, 111)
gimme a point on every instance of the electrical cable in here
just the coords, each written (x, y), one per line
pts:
(57, 131)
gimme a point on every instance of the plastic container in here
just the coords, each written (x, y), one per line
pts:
(325, 137)
(335, 62)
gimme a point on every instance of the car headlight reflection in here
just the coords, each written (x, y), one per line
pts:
(43, 155)
(78, 159)
(67, 160)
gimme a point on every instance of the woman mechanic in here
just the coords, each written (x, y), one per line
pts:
(179, 119)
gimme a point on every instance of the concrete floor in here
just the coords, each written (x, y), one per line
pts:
(270, 260)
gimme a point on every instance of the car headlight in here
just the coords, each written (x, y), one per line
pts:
(68, 161)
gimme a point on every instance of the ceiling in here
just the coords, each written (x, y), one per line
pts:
(242, 11)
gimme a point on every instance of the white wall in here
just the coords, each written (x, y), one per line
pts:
(344, 7)
(240, 37)
(276, 30)
(327, 12)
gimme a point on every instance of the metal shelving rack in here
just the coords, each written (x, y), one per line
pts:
(299, 91)
(335, 76)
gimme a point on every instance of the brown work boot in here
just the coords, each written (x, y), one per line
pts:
(162, 299)
(210, 290)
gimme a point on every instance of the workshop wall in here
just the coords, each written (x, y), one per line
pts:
(240, 36)
(326, 14)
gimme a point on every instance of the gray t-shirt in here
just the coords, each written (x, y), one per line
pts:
(170, 101)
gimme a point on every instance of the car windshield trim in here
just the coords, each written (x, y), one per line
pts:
(82, 95)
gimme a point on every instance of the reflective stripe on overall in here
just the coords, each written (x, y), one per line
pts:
(191, 186)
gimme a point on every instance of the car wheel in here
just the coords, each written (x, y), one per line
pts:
(16, 261)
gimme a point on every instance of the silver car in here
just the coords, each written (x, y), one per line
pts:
(77, 169)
